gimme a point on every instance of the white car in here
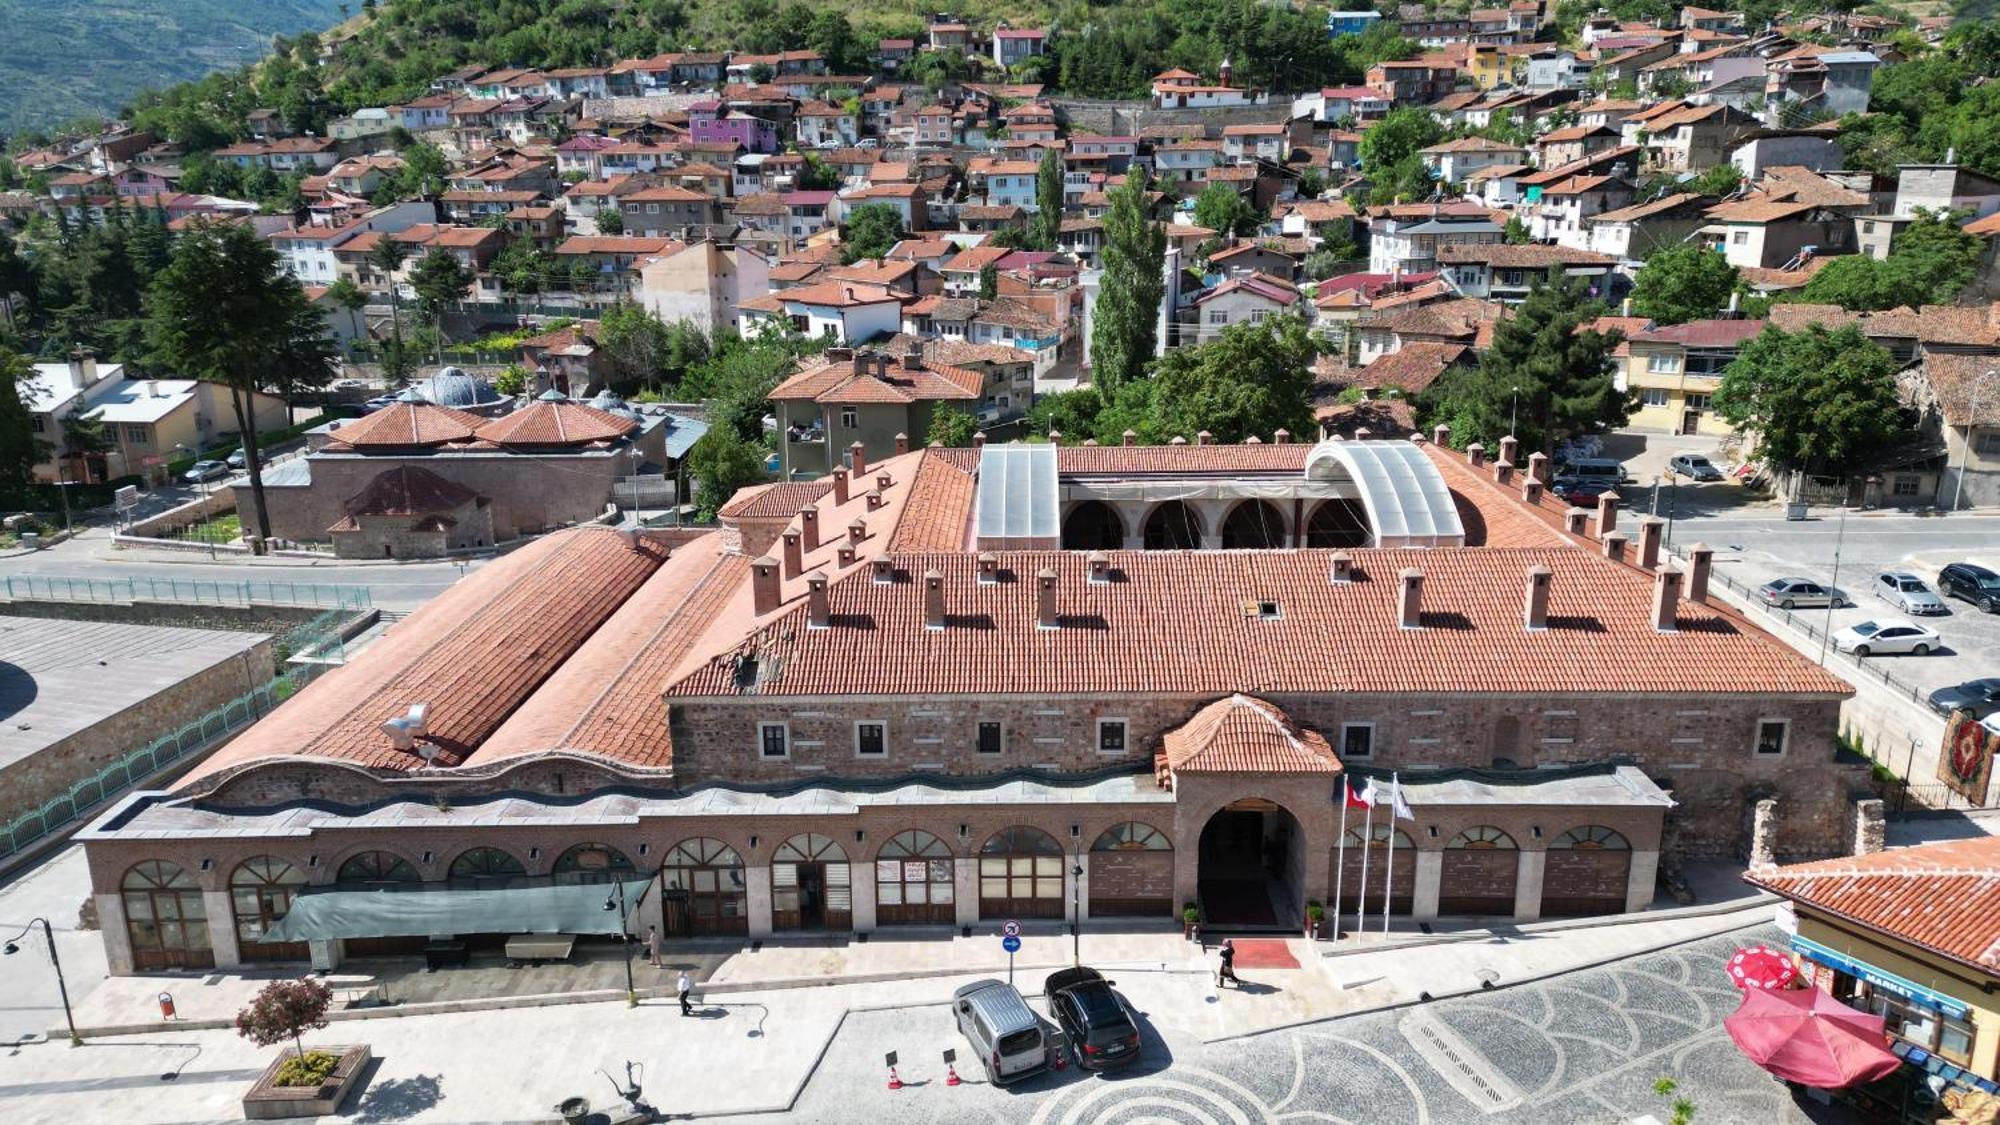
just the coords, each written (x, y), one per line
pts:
(1874, 637)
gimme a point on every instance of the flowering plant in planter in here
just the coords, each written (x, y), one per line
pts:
(287, 1009)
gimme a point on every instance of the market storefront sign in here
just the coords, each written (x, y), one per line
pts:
(1879, 978)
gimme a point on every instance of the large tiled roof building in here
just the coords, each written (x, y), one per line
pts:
(929, 689)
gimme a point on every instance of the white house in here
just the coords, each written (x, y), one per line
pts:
(844, 312)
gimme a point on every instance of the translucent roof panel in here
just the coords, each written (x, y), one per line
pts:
(1407, 501)
(1017, 493)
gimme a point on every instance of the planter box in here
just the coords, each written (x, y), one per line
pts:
(269, 1102)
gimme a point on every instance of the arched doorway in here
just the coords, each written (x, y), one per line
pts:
(1253, 525)
(1132, 872)
(711, 875)
(1587, 872)
(914, 881)
(591, 864)
(165, 918)
(1338, 523)
(1478, 873)
(1173, 526)
(379, 871)
(1020, 875)
(1251, 866)
(809, 885)
(260, 892)
(1093, 525)
(1377, 862)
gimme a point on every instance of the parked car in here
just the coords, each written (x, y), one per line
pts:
(380, 402)
(1796, 593)
(1878, 637)
(1975, 584)
(1582, 491)
(238, 458)
(1694, 466)
(205, 471)
(1004, 1032)
(1906, 591)
(1101, 1030)
(1981, 697)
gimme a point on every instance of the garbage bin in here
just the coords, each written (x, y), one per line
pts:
(1796, 510)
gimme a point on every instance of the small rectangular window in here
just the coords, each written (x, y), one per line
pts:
(1905, 485)
(990, 738)
(774, 740)
(850, 418)
(1357, 740)
(1654, 396)
(1111, 736)
(1772, 735)
(871, 739)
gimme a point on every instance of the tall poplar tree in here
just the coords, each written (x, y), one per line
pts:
(1125, 321)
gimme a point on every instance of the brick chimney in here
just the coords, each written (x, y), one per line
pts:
(1363, 433)
(845, 554)
(860, 362)
(1100, 567)
(1573, 520)
(1531, 491)
(1177, 440)
(1055, 437)
(1090, 442)
(1503, 473)
(882, 570)
(793, 563)
(1441, 434)
(764, 585)
(913, 357)
(979, 439)
(1130, 437)
(1204, 438)
(902, 444)
(809, 527)
(1253, 439)
(816, 610)
(1650, 528)
(1666, 598)
(1508, 448)
(1607, 514)
(1045, 598)
(1538, 467)
(1282, 437)
(1343, 568)
(933, 600)
(1475, 454)
(989, 568)
(858, 460)
(883, 481)
(839, 486)
(1411, 611)
(1614, 546)
(1535, 615)
(857, 531)
(1701, 557)
(874, 498)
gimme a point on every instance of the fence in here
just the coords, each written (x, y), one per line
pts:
(1898, 795)
(189, 591)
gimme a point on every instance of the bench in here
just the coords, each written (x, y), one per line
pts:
(540, 947)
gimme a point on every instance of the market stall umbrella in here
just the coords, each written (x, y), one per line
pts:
(1804, 1035)
(1760, 966)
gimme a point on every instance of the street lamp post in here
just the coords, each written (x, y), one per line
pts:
(1514, 414)
(13, 946)
(1076, 912)
(616, 901)
(1826, 630)
(1971, 421)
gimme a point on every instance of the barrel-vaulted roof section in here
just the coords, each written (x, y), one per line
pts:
(1408, 502)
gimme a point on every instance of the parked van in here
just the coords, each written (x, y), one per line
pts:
(1592, 469)
(1005, 1033)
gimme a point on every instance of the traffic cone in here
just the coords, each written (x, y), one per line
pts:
(1062, 1059)
(895, 1083)
(951, 1077)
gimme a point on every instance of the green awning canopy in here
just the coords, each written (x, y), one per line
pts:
(576, 909)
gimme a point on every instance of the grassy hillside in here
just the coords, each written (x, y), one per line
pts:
(73, 58)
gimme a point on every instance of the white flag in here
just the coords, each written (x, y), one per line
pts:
(1367, 796)
(1396, 800)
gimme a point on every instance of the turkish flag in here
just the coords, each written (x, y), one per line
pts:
(1352, 799)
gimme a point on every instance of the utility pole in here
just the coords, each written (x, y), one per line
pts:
(1971, 420)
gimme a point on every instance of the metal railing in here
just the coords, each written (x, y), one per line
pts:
(189, 591)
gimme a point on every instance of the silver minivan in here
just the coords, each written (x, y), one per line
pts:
(1005, 1033)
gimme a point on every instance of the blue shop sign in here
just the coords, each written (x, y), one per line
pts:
(1879, 978)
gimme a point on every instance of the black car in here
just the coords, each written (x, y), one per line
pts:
(1975, 584)
(1981, 697)
(1100, 1028)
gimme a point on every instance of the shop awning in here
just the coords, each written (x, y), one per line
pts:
(577, 909)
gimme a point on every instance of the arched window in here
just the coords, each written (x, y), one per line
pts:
(592, 863)
(1587, 871)
(1483, 837)
(485, 867)
(261, 891)
(1591, 838)
(1092, 525)
(1173, 526)
(1478, 873)
(1132, 836)
(913, 881)
(165, 917)
(1021, 873)
(378, 868)
(1253, 525)
(810, 885)
(1338, 523)
(711, 874)
(1378, 837)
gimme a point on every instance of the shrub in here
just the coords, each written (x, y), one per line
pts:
(309, 1069)
(285, 1009)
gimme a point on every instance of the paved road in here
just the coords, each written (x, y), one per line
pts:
(1583, 1047)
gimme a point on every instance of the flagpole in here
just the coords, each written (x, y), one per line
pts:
(1340, 859)
(1367, 845)
(1389, 861)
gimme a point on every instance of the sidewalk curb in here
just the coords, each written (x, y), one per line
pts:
(1566, 925)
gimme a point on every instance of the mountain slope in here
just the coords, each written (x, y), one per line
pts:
(71, 58)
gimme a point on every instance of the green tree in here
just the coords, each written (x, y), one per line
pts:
(1682, 283)
(1223, 209)
(636, 343)
(952, 425)
(1515, 232)
(1252, 379)
(872, 229)
(1312, 182)
(1047, 223)
(1717, 180)
(1819, 401)
(722, 462)
(84, 437)
(20, 449)
(1931, 263)
(439, 280)
(388, 257)
(610, 220)
(1066, 412)
(1397, 138)
(1125, 322)
(1546, 376)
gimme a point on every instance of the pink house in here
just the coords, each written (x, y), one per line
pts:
(713, 122)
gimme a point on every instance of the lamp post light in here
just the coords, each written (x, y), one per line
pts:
(1076, 912)
(13, 946)
(616, 901)
(1971, 423)
(1514, 414)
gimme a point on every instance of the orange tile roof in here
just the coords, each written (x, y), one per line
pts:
(1942, 897)
(556, 423)
(940, 508)
(407, 424)
(782, 500)
(1240, 734)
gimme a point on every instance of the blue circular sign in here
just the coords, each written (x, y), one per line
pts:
(1011, 944)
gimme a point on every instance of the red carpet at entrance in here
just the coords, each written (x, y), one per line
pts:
(1264, 953)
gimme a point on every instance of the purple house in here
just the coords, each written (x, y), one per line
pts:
(713, 122)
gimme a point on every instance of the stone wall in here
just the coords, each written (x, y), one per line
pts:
(530, 493)
(232, 618)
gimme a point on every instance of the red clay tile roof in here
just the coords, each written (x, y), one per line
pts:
(940, 508)
(556, 423)
(1962, 385)
(1530, 255)
(1413, 367)
(782, 500)
(1942, 897)
(409, 491)
(404, 424)
(1239, 734)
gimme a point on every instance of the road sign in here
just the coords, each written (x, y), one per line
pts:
(1011, 928)
(1011, 943)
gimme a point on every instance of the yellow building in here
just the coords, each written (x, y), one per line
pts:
(1674, 372)
(1488, 66)
(1914, 936)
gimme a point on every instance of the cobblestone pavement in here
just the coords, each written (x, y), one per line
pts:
(1583, 1047)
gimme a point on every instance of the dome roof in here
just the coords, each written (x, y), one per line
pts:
(451, 386)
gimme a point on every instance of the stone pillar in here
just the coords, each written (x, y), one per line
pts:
(1639, 883)
(1528, 885)
(1868, 826)
(861, 880)
(117, 938)
(965, 889)
(757, 899)
(326, 953)
(1430, 876)
(222, 928)
(1763, 833)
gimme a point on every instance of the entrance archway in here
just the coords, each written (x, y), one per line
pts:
(1253, 525)
(1021, 875)
(810, 889)
(261, 891)
(1251, 866)
(1093, 526)
(1586, 873)
(1478, 873)
(166, 918)
(1338, 523)
(1173, 526)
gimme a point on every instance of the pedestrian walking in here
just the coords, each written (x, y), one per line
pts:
(684, 986)
(1228, 970)
(653, 946)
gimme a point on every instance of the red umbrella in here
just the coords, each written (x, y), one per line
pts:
(1760, 966)
(1804, 1035)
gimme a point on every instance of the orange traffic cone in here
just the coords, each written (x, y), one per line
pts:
(895, 1083)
